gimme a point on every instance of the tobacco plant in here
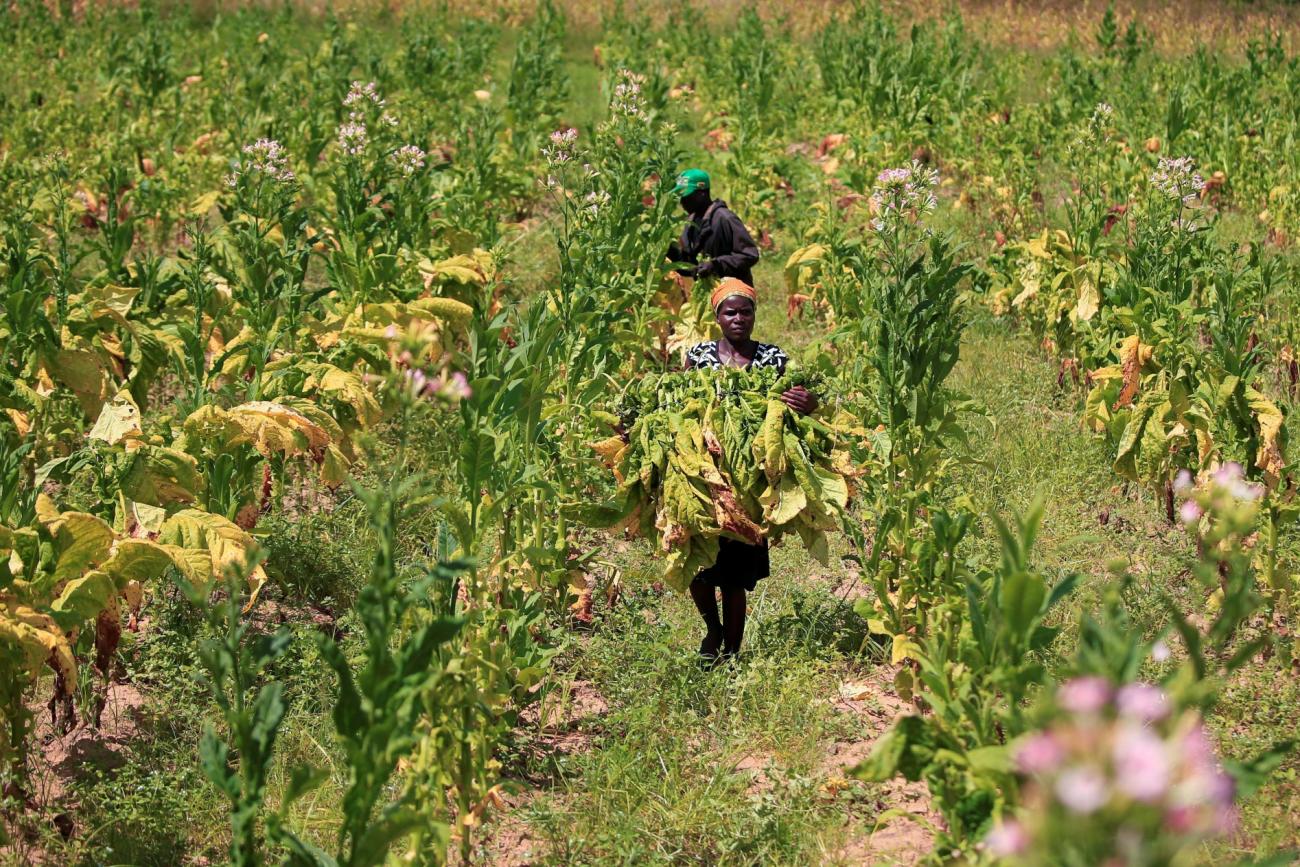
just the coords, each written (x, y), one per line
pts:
(912, 329)
(234, 663)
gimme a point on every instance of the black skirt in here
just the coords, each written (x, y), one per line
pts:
(739, 566)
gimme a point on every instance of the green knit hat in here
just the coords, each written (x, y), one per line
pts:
(689, 181)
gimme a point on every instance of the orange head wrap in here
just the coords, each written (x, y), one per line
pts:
(730, 287)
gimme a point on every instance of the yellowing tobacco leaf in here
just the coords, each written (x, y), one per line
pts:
(785, 501)
(83, 372)
(81, 541)
(110, 302)
(271, 428)
(119, 421)
(162, 477)
(803, 266)
(903, 648)
(610, 451)
(346, 387)
(448, 309)
(1268, 456)
(1088, 303)
(1134, 355)
(224, 543)
(38, 639)
(456, 269)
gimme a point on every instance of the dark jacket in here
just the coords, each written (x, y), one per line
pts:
(719, 237)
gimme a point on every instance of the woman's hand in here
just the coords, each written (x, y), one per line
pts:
(800, 399)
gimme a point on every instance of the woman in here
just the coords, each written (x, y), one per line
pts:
(739, 565)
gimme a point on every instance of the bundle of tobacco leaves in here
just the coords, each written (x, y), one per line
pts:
(705, 454)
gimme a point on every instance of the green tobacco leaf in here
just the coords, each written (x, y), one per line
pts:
(374, 844)
(214, 759)
(1253, 773)
(904, 749)
(1022, 601)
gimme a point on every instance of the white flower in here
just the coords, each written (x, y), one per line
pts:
(561, 149)
(408, 160)
(595, 200)
(628, 99)
(363, 93)
(353, 137)
(264, 158)
(1177, 179)
(1081, 790)
(904, 192)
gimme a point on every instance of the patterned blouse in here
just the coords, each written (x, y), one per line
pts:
(703, 355)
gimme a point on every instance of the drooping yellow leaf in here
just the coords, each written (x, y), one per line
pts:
(226, 545)
(1268, 456)
(1088, 303)
(110, 301)
(38, 640)
(162, 477)
(119, 421)
(903, 648)
(1134, 355)
(448, 309)
(610, 450)
(84, 373)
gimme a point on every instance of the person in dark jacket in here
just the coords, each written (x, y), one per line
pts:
(714, 243)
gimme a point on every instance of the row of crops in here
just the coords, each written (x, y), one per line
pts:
(262, 259)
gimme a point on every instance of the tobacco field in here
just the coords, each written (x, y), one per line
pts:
(349, 481)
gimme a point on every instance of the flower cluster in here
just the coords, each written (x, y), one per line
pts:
(362, 102)
(453, 387)
(408, 160)
(353, 137)
(594, 201)
(1176, 179)
(1224, 490)
(264, 159)
(562, 148)
(1118, 770)
(903, 193)
(628, 100)
(361, 94)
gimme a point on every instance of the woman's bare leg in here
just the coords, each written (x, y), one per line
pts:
(706, 602)
(733, 620)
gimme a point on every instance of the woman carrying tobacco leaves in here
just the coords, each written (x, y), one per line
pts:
(739, 565)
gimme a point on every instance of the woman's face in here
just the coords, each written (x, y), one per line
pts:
(736, 318)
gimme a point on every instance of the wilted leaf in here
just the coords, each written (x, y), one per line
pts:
(118, 421)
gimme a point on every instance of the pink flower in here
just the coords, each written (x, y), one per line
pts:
(1006, 839)
(1160, 651)
(1190, 512)
(1142, 702)
(1142, 766)
(1183, 483)
(417, 381)
(1229, 473)
(1084, 694)
(1081, 790)
(1039, 753)
(457, 387)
